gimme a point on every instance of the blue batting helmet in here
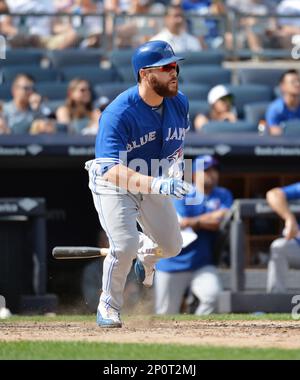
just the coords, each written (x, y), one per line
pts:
(152, 54)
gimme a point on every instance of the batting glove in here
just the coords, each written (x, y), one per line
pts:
(170, 186)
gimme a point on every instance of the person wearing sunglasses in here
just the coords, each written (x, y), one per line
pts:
(221, 102)
(18, 113)
(137, 169)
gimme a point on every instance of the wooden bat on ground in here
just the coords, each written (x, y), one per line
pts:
(63, 253)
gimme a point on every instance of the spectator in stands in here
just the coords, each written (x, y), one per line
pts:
(222, 108)
(194, 267)
(17, 112)
(285, 251)
(92, 127)
(175, 32)
(77, 112)
(43, 126)
(287, 27)
(43, 32)
(287, 106)
(205, 27)
(4, 130)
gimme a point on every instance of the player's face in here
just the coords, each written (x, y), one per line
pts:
(164, 80)
(211, 177)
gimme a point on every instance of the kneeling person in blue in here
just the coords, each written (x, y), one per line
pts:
(194, 267)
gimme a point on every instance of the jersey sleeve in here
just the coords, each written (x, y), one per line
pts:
(272, 116)
(292, 192)
(111, 139)
(226, 199)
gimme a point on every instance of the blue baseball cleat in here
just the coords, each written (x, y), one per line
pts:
(108, 317)
(143, 274)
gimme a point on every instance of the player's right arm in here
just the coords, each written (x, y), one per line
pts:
(278, 202)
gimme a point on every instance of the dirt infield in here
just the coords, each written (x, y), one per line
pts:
(263, 334)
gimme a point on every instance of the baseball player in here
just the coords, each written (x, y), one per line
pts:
(138, 164)
(194, 268)
(285, 251)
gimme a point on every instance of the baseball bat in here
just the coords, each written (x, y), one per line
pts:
(62, 253)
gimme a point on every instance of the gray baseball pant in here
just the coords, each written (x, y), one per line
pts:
(118, 214)
(171, 286)
(284, 254)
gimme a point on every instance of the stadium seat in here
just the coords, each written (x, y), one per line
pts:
(249, 93)
(39, 74)
(93, 74)
(255, 112)
(269, 77)
(111, 90)
(210, 75)
(197, 107)
(126, 73)
(5, 91)
(121, 57)
(71, 57)
(22, 57)
(227, 127)
(52, 91)
(194, 91)
(206, 57)
(54, 104)
(292, 127)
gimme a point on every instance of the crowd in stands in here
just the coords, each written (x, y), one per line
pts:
(66, 92)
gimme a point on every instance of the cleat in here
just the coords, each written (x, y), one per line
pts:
(144, 276)
(108, 317)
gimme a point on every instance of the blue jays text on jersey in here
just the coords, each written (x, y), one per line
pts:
(130, 130)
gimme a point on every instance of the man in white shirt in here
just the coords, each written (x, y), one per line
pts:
(175, 32)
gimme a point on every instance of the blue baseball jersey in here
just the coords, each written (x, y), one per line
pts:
(292, 192)
(278, 112)
(199, 252)
(134, 134)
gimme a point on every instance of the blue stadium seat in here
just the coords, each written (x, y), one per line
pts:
(126, 73)
(194, 91)
(121, 57)
(52, 91)
(197, 107)
(54, 104)
(226, 127)
(292, 127)
(249, 93)
(254, 112)
(94, 74)
(5, 91)
(111, 90)
(210, 75)
(71, 57)
(38, 74)
(269, 77)
(22, 57)
(206, 57)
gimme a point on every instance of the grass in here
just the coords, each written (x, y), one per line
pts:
(83, 350)
(112, 351)
(179, 317)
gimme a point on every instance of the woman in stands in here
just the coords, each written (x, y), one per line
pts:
(222, 108)
(77, 112)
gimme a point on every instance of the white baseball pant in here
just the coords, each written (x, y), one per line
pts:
(118, 214)
(284, 254)
(171, 286)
